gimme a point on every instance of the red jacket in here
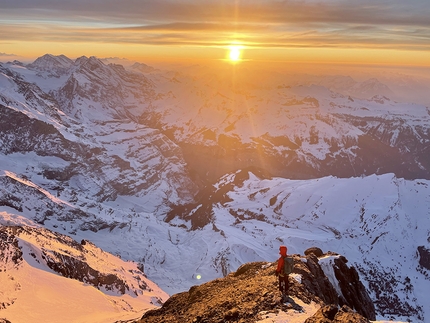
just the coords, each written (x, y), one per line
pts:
(283, 253)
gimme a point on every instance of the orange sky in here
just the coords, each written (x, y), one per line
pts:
(332, 31)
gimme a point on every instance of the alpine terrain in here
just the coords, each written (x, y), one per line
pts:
(49, 277)
(183, 175)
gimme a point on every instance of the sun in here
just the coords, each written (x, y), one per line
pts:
(234, 54)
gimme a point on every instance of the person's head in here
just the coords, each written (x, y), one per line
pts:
(283, 250)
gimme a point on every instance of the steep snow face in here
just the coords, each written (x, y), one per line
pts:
(50, 277)
(21, 95)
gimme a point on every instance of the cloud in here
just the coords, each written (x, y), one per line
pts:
(376, 12)
(7, 55)
(393, 24)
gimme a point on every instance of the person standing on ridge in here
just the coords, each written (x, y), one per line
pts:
(285, 267)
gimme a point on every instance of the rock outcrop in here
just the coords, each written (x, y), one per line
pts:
(251, 292)
(424, 254)
(315, 250)
(331, 314)
(354, 294)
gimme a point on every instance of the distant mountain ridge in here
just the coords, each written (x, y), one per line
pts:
(211, 122)
(194, 173)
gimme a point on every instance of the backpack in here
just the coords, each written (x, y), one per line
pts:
(288, 265)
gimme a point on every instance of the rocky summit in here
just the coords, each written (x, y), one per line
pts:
(251, 294)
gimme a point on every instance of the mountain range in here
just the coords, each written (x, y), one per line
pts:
(193, 172)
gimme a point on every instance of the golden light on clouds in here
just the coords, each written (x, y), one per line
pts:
(309, 30)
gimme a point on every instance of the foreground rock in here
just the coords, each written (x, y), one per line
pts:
(331, 314)
(251, 293)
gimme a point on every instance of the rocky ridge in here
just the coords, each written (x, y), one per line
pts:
(250, 294)
(71, 260)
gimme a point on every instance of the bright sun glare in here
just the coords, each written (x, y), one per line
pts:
(234, 54)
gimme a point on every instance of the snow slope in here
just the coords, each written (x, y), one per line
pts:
(32, 291)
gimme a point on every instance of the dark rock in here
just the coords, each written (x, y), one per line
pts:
(424, 254)
(9, 249)
(329, 311)
(354, 293)
(331, 314)
(74, 268)
(315, 280)
(345, 314)
(315, 250)
(242, 269)
(66, 265)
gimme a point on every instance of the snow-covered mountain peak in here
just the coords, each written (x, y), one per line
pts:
(16, 62)
(80, 60)
(370, 88)
(92, 63)
(51, 65)
(94, 91)
(49, 60)
(141, 67)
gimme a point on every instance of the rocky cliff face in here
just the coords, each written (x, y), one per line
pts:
(250, 294)
(424, 256)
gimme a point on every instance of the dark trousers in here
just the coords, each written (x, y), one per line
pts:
(283, 284)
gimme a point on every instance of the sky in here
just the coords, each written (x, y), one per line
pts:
(394, 32)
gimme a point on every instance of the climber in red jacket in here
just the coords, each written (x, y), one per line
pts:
(285, 267)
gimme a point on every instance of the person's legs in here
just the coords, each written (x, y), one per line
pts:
(286, 285)
(281, 283)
